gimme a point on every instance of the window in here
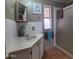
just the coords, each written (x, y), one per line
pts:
(47, 17)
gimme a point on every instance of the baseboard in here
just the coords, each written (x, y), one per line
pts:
(64, 51)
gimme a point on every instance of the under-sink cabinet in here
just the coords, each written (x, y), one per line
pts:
(35, 52)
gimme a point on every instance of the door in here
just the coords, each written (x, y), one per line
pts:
(65, 30)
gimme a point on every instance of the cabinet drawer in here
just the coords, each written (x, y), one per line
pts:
(24, 54)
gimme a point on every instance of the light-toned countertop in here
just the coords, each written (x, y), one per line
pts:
(21, 43)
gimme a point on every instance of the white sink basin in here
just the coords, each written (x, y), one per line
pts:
(30, 37)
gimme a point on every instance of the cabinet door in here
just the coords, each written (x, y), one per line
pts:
(12, 9)
(9, 9)
(24, 55)
(35, 52)
(41, 48)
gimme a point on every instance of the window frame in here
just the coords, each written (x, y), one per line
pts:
(50, 8)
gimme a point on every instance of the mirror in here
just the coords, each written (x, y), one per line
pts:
(20, 12)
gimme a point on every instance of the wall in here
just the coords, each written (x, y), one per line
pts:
(37, 27)
(64, 35)
(10, 33)
(33, 17)
(55, 23)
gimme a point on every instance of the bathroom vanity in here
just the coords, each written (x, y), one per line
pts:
(24, 48)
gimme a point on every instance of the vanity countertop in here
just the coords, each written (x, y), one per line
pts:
(22, 42)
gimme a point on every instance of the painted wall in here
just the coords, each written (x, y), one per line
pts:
(55, 23)
(64, 35)
(33, 17)
(37, 27)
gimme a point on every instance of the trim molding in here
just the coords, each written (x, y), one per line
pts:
(65, 52)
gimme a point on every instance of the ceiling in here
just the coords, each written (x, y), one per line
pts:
(63, 1)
